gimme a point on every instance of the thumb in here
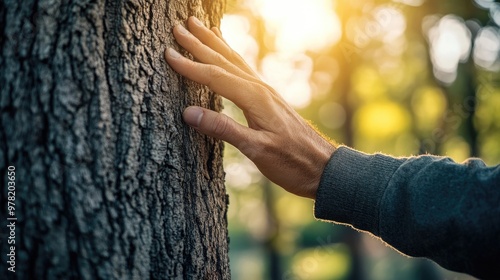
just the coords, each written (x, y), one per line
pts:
(216, 125)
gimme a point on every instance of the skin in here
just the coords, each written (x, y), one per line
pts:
(285, 148)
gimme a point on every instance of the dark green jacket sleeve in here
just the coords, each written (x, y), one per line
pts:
(423, 206)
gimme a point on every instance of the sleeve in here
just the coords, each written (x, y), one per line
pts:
(423, 206)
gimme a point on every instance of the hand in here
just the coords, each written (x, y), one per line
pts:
(284, 147)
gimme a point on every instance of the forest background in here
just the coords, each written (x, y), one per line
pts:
(403, 77)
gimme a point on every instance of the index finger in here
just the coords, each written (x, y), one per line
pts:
(238, 90)
(216, 43)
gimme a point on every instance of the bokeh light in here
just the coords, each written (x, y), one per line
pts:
(299, 25)
(236, 30)
(403, 77)
(487, 48)
(289, 75)
(450, 42)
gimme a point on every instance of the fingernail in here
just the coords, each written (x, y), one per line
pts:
(192, 116)
(198, 22)
(173, 53)
(182, 29)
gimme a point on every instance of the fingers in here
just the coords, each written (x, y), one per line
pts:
(218, 33)
(216, 125)
(208, 37)
(232, 87)
(205, 54)
(216, 43)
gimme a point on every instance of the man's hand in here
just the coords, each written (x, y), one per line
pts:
(281, 144)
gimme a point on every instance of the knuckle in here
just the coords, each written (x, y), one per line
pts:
(250, 150)
(191, 66)
(264, 95)
(257, 96)
(220, 125)
(257, 87)
(215, 73)
(272, 146)
(194, 43)
(234, 56)
(218, 59)
(212, 37)
(252, 147)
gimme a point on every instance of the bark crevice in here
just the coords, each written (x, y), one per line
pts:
(111, 184)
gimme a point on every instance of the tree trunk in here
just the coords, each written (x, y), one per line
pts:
(109, 182)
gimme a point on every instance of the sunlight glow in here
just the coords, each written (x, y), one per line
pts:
(392, 21)
(237, 175)
(414, 3)
(385, 23)
(495, 13)
(236, 32)
(381, 119)
(332, 115)
(457, 148)
(487, 47)
(300, 25)
(428, 105)
(450, 44)
(485, 3)
(368, 84)
(289, 75)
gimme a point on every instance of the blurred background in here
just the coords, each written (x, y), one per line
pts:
(402, 77)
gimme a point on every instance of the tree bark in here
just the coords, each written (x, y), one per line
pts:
(109, 182)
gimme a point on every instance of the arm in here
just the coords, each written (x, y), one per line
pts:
(424, 206)
(411, 203)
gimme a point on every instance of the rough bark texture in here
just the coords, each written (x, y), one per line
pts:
(110, 184)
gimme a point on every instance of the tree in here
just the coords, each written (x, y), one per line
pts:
(109, 183)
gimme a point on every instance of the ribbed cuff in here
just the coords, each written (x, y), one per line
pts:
(352, 186)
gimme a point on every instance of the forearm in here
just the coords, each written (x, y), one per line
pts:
(423, 206)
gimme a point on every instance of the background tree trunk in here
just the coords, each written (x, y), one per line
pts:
(110, 184)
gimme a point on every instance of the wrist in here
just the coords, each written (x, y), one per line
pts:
(326, 149)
